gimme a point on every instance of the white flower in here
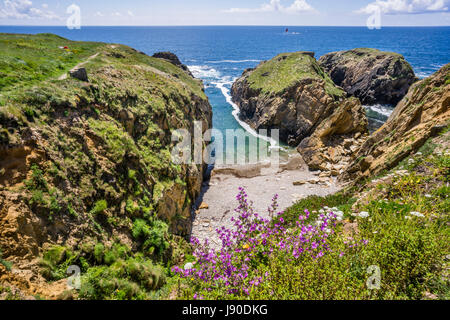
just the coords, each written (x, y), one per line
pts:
(417, 214)
(407, 217)
(188, 266)
(428, 196)
(411, 161)
(364, 214)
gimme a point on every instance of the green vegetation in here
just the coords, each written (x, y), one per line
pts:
(10, 295)
(397, 224)
(152, 235)
(107, 273)
(99, 207)
(6, 264)
(22, 61)
(286, 69)
(100, 160)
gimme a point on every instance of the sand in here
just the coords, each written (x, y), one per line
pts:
(219, 194)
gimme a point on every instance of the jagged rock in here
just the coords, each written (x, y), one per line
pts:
(295, 95)
(172, 58)
(300, 182)
(371, 75)
(79, 73)
(347, 120)
(422, 114)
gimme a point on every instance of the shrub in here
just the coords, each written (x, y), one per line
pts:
(99, 251)
(152, 236)
(6, 264)
(99, 207)
(55, 261)
(311, 258)
(124, 280)
(117, 252)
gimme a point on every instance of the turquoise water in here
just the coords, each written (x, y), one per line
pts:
(218, 55)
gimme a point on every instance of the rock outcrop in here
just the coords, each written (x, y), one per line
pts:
(80, 162)
(173, 59)
(373, 76)
(423, 113)
(335, 139)
(292, 93)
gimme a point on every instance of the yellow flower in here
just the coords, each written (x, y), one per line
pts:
(246, 246)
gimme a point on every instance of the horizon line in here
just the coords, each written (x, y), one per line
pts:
(232, 25)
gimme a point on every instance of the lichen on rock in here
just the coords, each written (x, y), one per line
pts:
(373, 76)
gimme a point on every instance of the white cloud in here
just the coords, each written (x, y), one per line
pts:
(405, 6)
(275, 6)
(99, 14)
(23, 9)
(116, 14)
(130, 13)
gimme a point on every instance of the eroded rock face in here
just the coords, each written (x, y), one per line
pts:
(293, 94)
(335, 138)
(371, 75)
(422, 114)
(106, 142)
(290, 93)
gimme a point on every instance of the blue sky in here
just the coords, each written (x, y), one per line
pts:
(230, 12)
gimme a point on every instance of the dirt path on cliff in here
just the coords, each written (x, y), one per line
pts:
(66, 75)
(219, 194)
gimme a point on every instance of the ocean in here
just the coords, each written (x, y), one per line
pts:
(219, 54)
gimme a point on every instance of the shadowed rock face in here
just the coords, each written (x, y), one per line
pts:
(422, 114)
(292, 93)
(371, 75)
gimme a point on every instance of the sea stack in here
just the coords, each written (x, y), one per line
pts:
(373, 76)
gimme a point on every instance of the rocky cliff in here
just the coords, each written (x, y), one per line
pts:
(334, 142)
(371, 75)
(83, 162)
(292, 93)
(423, 113)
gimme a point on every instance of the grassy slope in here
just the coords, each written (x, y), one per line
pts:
(160, 96)
(281, 73)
